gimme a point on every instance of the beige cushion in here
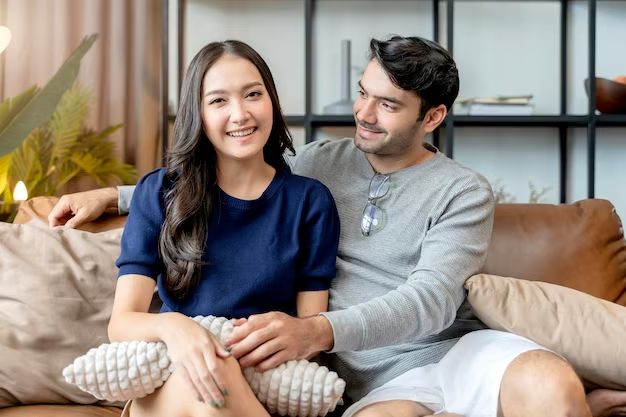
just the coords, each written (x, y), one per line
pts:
(588, 331)
(56, 294)
(60, 411)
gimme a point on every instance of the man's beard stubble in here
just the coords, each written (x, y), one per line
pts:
(389, 144)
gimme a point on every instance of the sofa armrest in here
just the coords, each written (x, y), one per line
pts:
(39, 208)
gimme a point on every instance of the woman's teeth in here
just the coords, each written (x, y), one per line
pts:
(242, 132)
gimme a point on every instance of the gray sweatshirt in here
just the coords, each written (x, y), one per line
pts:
(398, 300)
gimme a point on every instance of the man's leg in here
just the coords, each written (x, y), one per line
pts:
(606, 402)
(539, 383)
(414, 393)
(489, 373)
(398, 408)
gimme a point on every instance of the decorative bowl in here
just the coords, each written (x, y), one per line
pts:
(610, 96)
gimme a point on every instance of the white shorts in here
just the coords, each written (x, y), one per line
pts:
(466, 381)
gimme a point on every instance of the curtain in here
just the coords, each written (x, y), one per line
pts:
(122, 68)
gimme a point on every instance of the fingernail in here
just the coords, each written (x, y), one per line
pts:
(224, 391)
(228, 341)
(212, 403)
(199, 398)
(221, 404)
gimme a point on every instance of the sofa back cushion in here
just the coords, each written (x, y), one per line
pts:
(579, 245)
(56, 295)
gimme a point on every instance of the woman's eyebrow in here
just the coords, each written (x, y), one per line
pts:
(245, 87)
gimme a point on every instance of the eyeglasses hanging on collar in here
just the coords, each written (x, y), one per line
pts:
(373, 216)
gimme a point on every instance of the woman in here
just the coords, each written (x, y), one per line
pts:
(228, 228)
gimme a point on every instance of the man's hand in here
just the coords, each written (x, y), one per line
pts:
(74, 210)
(267, 340)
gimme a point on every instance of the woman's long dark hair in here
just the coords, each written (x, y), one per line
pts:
(191, 169)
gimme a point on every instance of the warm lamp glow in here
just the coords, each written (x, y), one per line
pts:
(5, 37)
(20, 193)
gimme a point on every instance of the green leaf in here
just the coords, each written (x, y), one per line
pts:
(66, 172)
(67, 120)
(11, 107)
(41, 106)
(110, 130)
(5, 162)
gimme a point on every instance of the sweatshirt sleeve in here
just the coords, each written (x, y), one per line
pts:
(140, 239)
(124, 198)
(455, 248)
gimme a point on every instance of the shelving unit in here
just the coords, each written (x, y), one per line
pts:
(562, 121)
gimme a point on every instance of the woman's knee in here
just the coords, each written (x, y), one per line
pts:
(178, 398)
(174, 398)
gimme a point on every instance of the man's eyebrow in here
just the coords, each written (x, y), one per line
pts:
(389, 99)
(245, 87)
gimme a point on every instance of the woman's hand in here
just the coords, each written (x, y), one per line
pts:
(198, 356)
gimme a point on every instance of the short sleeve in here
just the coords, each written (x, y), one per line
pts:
(140, 240)
(319, 240)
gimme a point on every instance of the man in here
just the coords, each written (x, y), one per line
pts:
(414, 226)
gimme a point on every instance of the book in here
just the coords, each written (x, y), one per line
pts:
(496, 106)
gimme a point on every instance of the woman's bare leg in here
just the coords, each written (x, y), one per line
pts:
(176, 399)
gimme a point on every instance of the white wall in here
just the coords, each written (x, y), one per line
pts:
(500, 48)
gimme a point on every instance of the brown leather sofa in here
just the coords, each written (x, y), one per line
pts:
(579, 245)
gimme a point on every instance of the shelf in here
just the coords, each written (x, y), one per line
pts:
(318, 120)
(611, 120)
(347, 120)
(295, 121)
(443, 25)
(528, 121)
(291, 120)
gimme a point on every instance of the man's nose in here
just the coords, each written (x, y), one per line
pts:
(366, 111)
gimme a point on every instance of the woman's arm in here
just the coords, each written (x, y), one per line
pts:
(130, 319)
(311, 303)
(193, 349)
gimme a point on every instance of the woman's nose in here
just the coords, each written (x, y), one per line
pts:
(239, 112)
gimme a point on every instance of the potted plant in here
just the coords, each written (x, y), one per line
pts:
(45, 143)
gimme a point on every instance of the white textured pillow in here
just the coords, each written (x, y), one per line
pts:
(129, 370)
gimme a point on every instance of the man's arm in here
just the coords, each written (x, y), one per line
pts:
(74, 210)
(453, 250)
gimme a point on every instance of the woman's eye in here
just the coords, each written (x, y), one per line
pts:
(254, 94)
(217, 100)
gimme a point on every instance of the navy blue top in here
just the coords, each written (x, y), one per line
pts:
(260, 252)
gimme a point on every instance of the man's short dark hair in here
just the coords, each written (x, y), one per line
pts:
(418, 65)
